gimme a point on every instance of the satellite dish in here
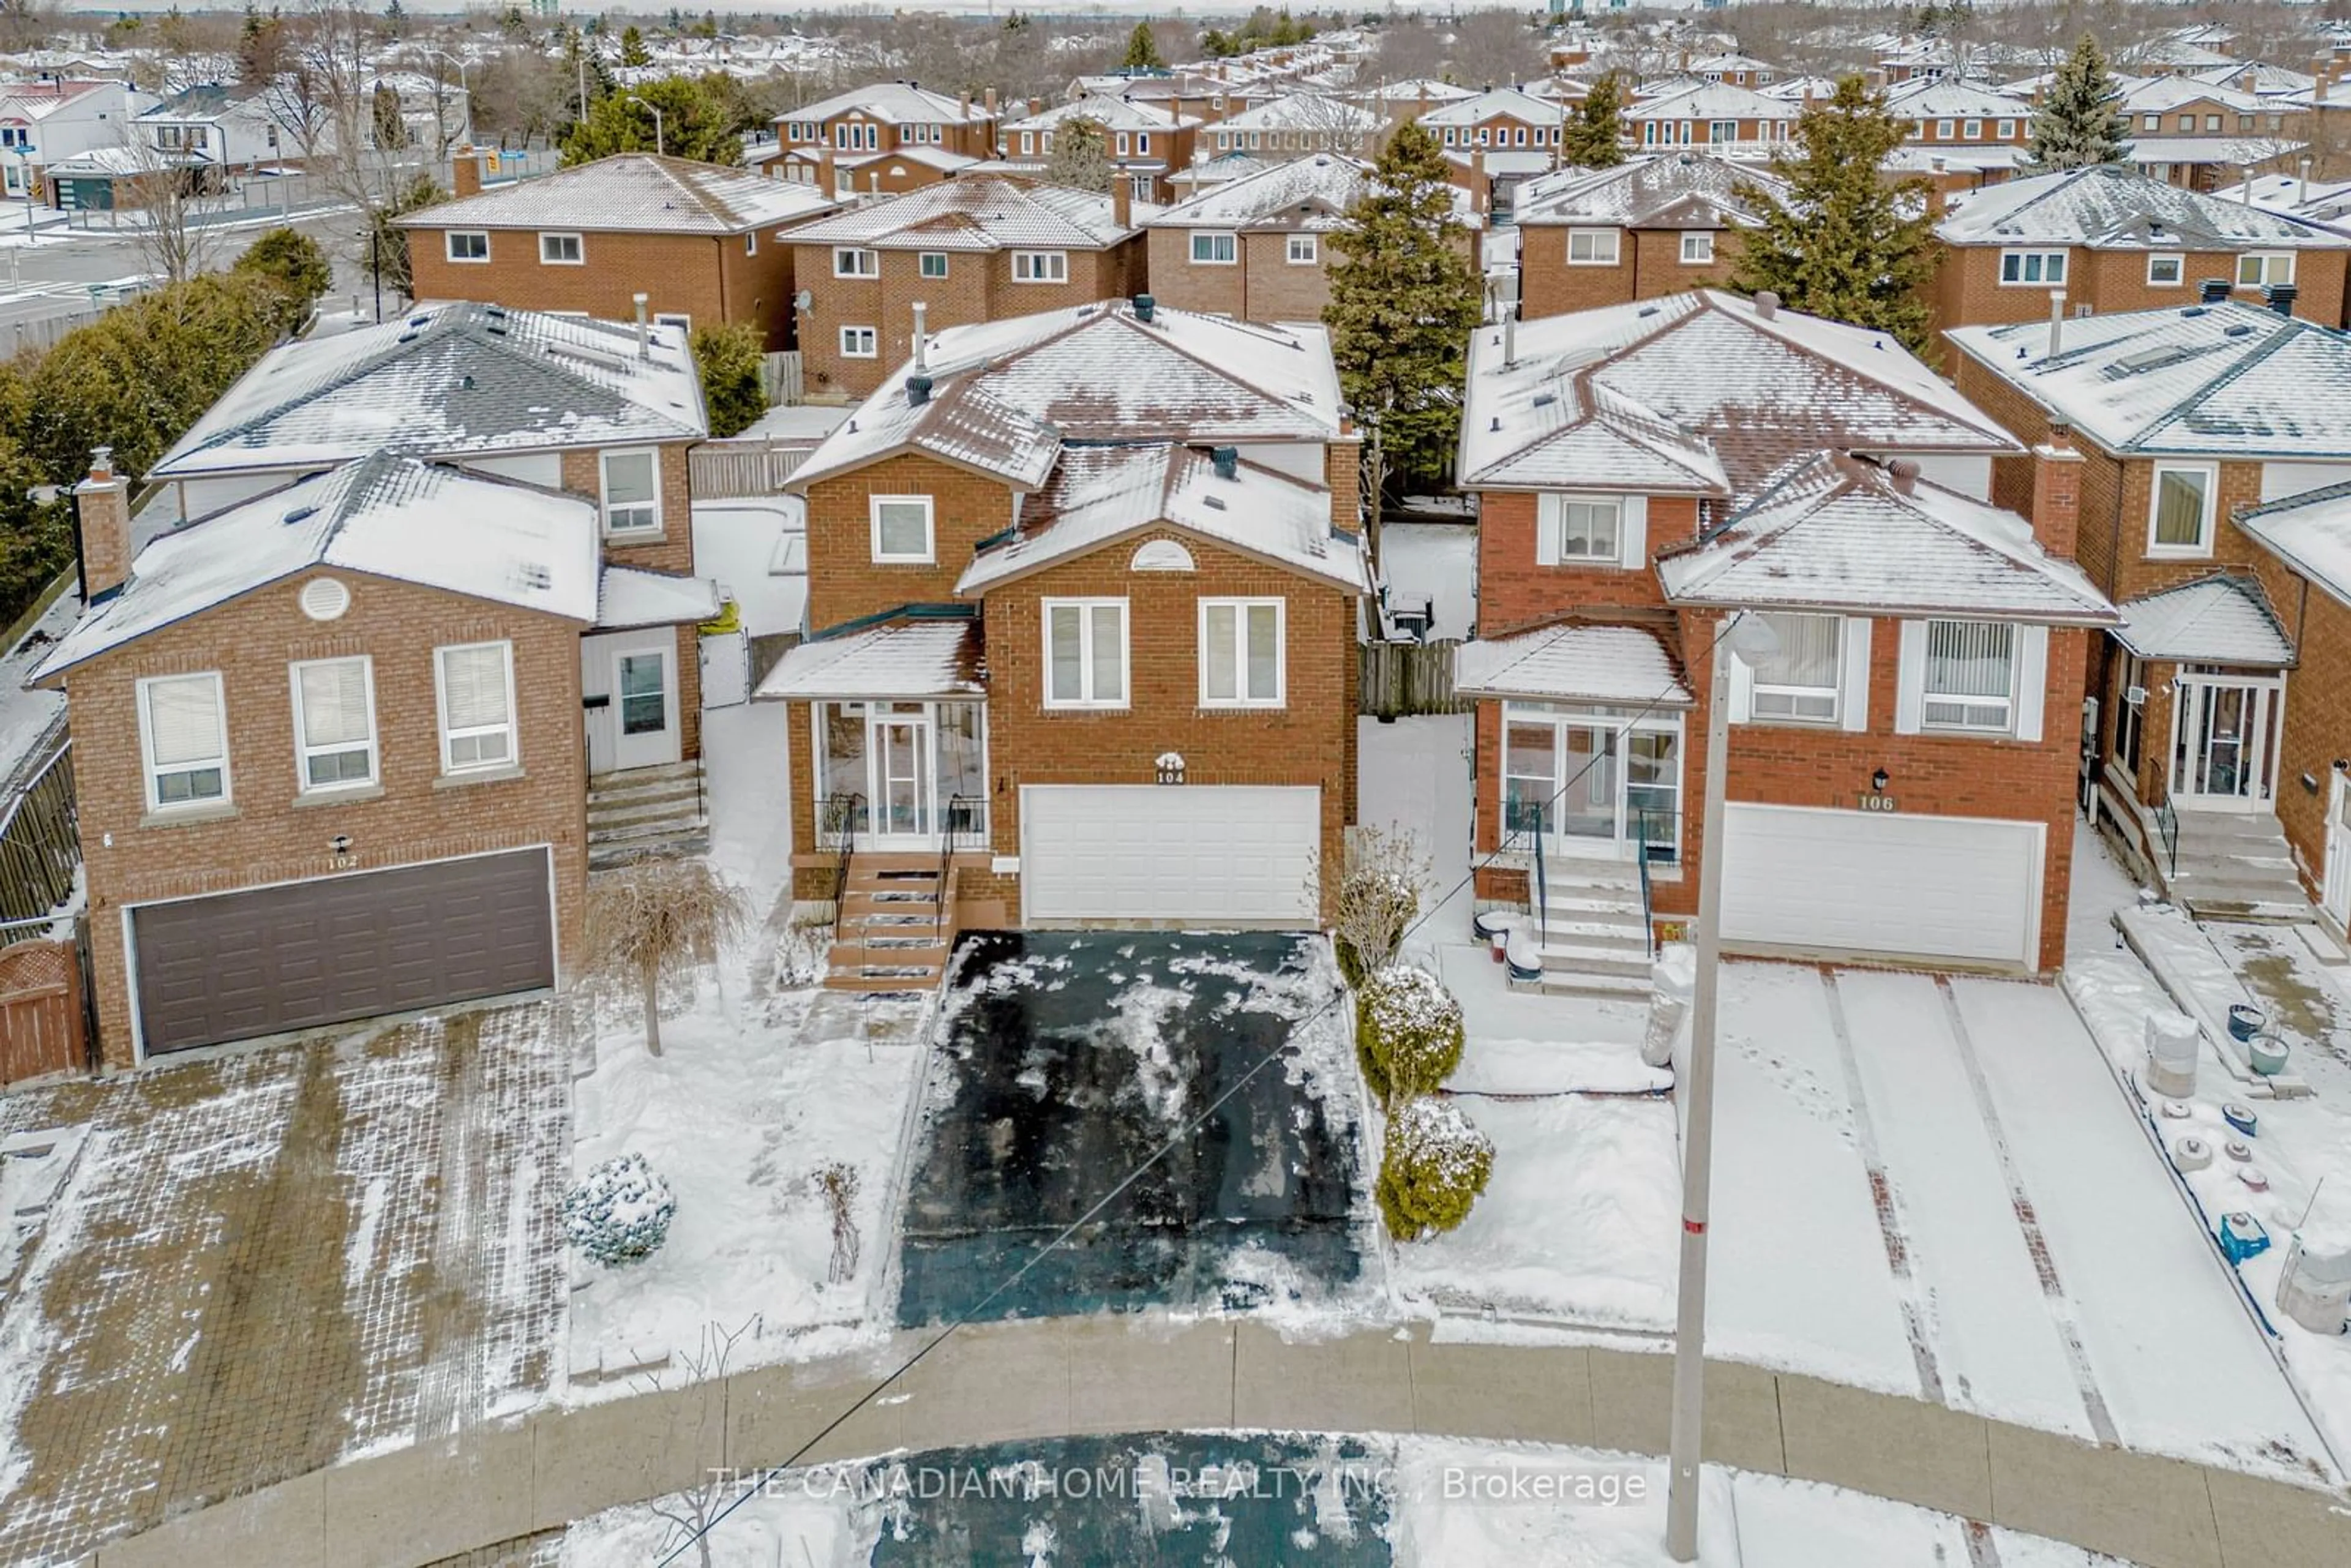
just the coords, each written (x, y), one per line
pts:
(803, 299)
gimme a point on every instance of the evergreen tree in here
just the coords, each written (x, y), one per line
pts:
(1404, 300)
(1593, 137)
(2077, 123)
(395, 18)
(1847, 243)
(632, 47)
(1141, 50)
(728, 355)
(1080, 159)
(701, 118)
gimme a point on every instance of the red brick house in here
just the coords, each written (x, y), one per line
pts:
(882, 139)
(2111, 240)
(1902, 767)
(2211, 468)
(1082, 600)
(979, 248)
(1730, 121)
(1145, 142)
(347, 774)
(2203, 135)
(1654, 225)
(697, 241)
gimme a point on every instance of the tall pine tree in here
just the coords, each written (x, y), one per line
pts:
(1404, 300)
(1141, 50)
(2078, 123)
(1593, 137)
(1847, 243)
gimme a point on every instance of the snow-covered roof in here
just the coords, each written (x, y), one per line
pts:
(632, 193)
(1102, 494)
(756, 549)
(631, 597)
(2218, 620)
(2110, 207)
(2154, 95)
(2267, 81)
(1938, 157)
(891, 103)
(1937, 97)
(1303, 193)
(1704, 369)
(383, 516)
(447, 380)
(2237, 152)
(1496, 103)
(1711, 101)
(1672, 191)
(2230, 380)
(1574, 664)
(1839, 533)
(1415, 89)
(1117, 113)
(1005, 393)
(2309, 532)
(906, 658)
(977, 213)
(1316, 111)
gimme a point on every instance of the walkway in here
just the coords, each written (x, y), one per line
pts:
(1007, 1381)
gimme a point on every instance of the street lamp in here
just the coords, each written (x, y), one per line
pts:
(661, 148)
(1746, 634)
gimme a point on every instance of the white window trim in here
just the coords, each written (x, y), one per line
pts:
(1945, 726)
(1313, 250)
(149, 769)
(923, 259)
(1086, 653)
(1705, 260)
(850, 336)
(2202, 548)
(929, 553)
(1631, 528)
(449, 247)
(652, 530)
(512, 761)
(1230, 238)
(2064, 266)
(851, 253)
(1240, 609)
(1615, 242)
(547, 260)
(1031, 258)
(2179, 266)
(1748, 687)
(677, 318)
(304, 750)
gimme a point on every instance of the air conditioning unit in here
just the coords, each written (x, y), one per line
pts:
(2135, 696)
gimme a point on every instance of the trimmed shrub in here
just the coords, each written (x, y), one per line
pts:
(1435, 1164)
(621, 1213)
(1408, 1034)
(729, 355)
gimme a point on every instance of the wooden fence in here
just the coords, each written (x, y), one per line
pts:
(40, 838)
(742, 468)
(1400, 678)
(780, 375)
(41, 1013)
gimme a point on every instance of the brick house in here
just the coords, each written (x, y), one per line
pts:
(1654, 225)
(1499, 118)
(1730, 121)
(1901, 767)
(882, 139)
(1295, 125)
(2209, 466)
(699, 242)
(980, 248)
(1083, 591)
(2203, 135)
(1145, 142)
(1963, 136)
(2112, 240)
(1397, 101)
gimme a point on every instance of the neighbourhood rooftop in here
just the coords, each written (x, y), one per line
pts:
(977, 213)
(2115, 208)
(632, 193)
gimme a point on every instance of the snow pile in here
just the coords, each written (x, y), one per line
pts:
(621, 1212)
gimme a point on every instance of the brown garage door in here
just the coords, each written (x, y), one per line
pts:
(311, 953)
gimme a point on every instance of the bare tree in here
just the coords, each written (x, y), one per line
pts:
(691, 1513)
(1408, 49)
(1381, 874)
(1329, 123)
(838, 1184)
(1496, 49)
(661, 917)
(170, 201)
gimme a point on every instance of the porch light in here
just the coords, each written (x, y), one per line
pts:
(1878, 781)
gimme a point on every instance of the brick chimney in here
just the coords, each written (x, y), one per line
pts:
(102, 504)
(2057, 492)
(1122, 203)
(465, 171)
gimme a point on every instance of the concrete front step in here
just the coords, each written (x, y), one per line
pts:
(603, 855)
(1603, 904)
(1605, 988)
(884, 984)
(628, 778)
(1584, 958)
(648, 828)
(1626, 935)
(632, 808)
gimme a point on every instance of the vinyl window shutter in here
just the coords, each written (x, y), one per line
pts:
(1633, 534)
(473, 686)
(2031, 679)
(334, 703)
(1742, 682)
(1548, 509)
(184, 720)
(1852, 676)
(1910, 678)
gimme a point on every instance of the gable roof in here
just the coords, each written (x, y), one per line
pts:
(1494, 103)
(2219, 380)
(1321, 112)
(893, 103)
(1706, 367)
(1675, 190)
(384, 516)
(2217, 620)
(2309, 532)
(1575, 663)
(1700, 99)
(2111, 207)
(1834, 532)
(445, 380)
(979, 213)
(1311, 193)
(631, 193)
(1117, 113)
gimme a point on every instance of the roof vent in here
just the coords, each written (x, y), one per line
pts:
(1767, 304)
(1497, 425)
(1544, 399)
(1646, 310)
(1144, 307)
(419, 320)
(410, 336)
(300, 514)
(2280, 298)
(2237, 330)
(1227, 461)
(918, 391)
(2195, 311)
(1214, 503)
(1905, 474)
(495, 312)
(467, 381)
(496, 329)
(2213, 290)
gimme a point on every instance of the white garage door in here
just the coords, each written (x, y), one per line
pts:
(1960, 888)
(1194, 854)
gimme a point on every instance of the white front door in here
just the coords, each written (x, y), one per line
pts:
(898, 753)
(2336, 893)
(2223, 732)
(644, 708)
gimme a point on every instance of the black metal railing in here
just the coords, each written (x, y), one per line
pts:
(2166, 823)
(1655, 842)
(1523, 829)
(963, 824)
(838, 818)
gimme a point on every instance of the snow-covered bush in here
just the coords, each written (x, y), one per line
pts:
(1380, 880)
(1408, 1033)
(621, 1213)
(1435, 1164)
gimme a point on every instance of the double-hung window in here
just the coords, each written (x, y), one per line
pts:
(1085, 653)
(902, 528)
(1304, 250)
(1798, 683)
(476, 686)
(1971, 677)
(2180, 518)
(1041, 266)
(183, 730)
(334, 724)
(2028, 266)
(1212, 248)
(2165, 270)
(855, 261)
(1697, 247)
(632, 491)
(1592, 247)
(860, 343)
(1241, 653)
(1586, 527)
(466, 245)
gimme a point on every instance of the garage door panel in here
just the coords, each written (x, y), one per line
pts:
(1963, 889)
(207, 970)
(1201, 855)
